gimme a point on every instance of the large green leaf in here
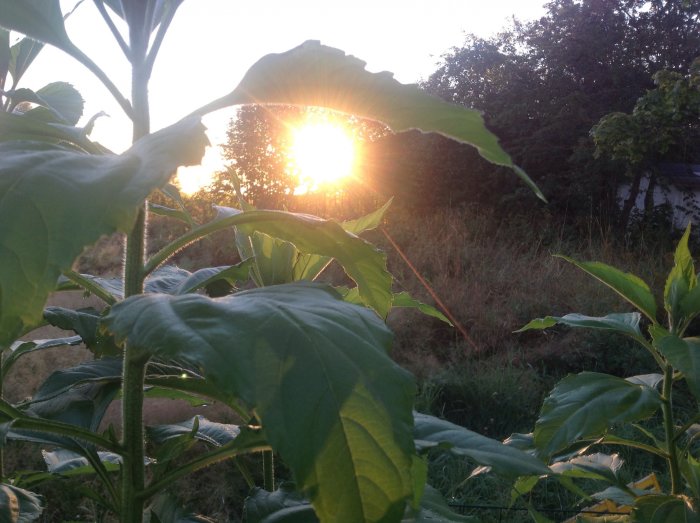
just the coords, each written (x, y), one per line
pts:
(316, 75)
(84, 322)
(39, 19)
(20, 127)
(664, 509)
(627, 285)
(684, 355)
(316, 371)
(68, 463)
(20, 348)
(585, 405)
(681, 280)
(361, 260)
(624, 323)
(18, 505)
(430, 432)
(61, 98)
(591, 466)
(54, 202)
(211, 432)
(79, 395)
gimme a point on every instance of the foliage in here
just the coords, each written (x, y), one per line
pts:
(589, 409)
(307, 372)
(662, 126)
(545, 83)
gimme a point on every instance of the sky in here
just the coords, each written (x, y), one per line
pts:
(212, 43)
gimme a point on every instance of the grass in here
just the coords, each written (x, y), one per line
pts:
(494, 274)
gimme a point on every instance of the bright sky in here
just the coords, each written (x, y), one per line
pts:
(213, 42)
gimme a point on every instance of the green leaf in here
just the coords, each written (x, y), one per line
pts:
(663, 509)
(19, 127)
(261, 504)
(165, 509)
(650, 380)
(23, 54)
(627, 285)
(684, 355)
(316, 75)
(591, 466)
(78, 396)
(404, 299)
(317, 373)
(39, 19)
(84, 322)
(218, 281)
(62, 99)
(681, 280)
(20, 348)
(68, 463)
(367, 222)
(216, 434)
(431, 432)
(18, 505)
(625, 323)
(163, 210)
(434, 508)
(690, 468)
(585, 405)
(362, 262)
(41, 235)
(274, 259)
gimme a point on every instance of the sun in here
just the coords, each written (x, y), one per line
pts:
(324, 154)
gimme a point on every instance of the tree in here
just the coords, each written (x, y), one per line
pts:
(663, 126)
(545, 83)
(257, 149)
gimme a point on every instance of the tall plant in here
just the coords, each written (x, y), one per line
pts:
(590, 409)
(307, 371)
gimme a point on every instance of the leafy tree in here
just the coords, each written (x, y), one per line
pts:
(257, 149)
(260, 163)
(545, 83)
(663, 126)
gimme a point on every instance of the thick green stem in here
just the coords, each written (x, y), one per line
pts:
(133, 469)
(667, 411)
(133, 473)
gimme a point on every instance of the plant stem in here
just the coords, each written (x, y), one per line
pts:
(133, 473)
(133, 470)
(268, 470)
(672, 449)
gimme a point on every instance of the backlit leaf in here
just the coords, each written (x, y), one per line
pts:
(317, 373)
(53, 202)
(585, 405)
(361, 260)
(624, 323)
(505, 460)
(627, 285)
(681, 280)
(684, 355)
(316, 75)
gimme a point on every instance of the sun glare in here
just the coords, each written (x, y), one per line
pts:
(324, 154)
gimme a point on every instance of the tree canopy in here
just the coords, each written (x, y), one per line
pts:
(542, 85)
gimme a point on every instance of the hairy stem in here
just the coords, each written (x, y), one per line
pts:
(133, 470)
(667, 411)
